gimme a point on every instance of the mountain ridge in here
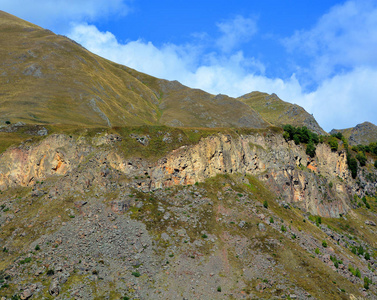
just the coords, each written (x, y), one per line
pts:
(58, 81)
(363, 133)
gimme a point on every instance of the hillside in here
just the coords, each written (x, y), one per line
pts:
(362, 134)
(166, 213)
(279, 112)
(118, 185)
(49, 79)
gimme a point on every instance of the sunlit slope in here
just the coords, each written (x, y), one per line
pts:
(364, 133)
(48, 78)
(279, 112)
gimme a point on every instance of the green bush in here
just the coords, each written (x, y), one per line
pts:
(360, 250)
(301, 135)
(361, 158)
(136, 274)
(310, 149)
(271, 220)
(25, 261)
(324, 244)
(265, 204)
(333, 142)
(316, 250)
(338, 135)
(219, 288)
(367, 256)
(366, 282)
(283, 229)
(37, 248)
(296, 139)
(352, 165)
(358, 273)
(50, 272)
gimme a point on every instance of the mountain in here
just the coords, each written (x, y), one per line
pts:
(114, 185)
(364, 133)
(50, 79)
(279, 112)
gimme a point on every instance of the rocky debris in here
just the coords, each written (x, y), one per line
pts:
(142, 139)
(261, 227)
(54, 288)
(28, 291)
(370, 223)
(107, 139)
(42, 132)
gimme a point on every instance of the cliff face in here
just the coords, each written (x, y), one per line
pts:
(321, 185)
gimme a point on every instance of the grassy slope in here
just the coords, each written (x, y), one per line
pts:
(364, 133)
(279, 112)
(50, 79)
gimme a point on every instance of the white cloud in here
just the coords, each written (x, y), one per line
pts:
(346, 99)
(57, 14)
(236, 31)
(344, 38)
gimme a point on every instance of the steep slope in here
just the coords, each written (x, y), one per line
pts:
(364, 133)
(92, 215)
(47, 78)
(279, 112)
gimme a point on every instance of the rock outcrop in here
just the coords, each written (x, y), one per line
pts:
(320, 185)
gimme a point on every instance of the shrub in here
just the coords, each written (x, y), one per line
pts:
(283, 229)
(352, 165)
(316, 250)
(324, 244)
(25, 261)
(204, 236)
(310, 149)
(271, 220)
(219, 288)
(361, 158)
(7, 122)
(50, 272)
(136, 274)
(358, 273)
(366, 282)
(37, 248)
(338, 135)
(360, 250)
(367, 256)
(265, 204)
(333, 142)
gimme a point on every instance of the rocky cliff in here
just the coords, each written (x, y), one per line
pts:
(84, 215)
(321, 185)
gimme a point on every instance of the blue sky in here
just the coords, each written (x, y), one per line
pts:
(319, 54)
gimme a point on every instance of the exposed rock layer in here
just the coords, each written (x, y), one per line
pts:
(295, 177)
